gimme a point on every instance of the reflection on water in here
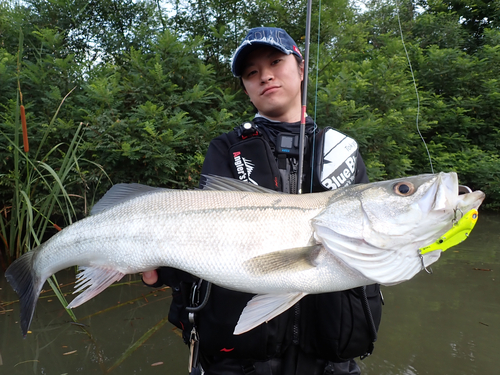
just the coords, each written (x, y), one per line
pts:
(110, 324)
(445, 323)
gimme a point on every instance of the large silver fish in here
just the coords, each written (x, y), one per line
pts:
(250, 239)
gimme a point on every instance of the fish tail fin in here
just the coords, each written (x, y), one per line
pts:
(27, 284)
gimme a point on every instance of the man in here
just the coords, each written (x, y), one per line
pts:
(321, 333)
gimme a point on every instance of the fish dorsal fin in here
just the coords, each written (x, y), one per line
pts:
(263, 307)
(120, 193)
(213, 182)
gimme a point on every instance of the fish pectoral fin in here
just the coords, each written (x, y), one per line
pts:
(94, 280)
(263, 307)
(291, 260)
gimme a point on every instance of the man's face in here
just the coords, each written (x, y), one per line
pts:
(273, 80)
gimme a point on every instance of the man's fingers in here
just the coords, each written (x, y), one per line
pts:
(150, 277)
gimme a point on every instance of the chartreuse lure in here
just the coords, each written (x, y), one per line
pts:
(457, 234)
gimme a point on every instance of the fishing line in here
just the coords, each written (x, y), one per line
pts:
(316, 91)
(414, 84)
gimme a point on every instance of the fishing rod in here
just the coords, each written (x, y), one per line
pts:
(302, 135)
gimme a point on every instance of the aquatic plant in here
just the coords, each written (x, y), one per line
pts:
(39, 188)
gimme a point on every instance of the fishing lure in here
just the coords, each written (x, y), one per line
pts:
(457, 234)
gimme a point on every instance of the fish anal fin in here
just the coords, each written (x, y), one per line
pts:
(263, 307)
(93, 280)
(291, 260)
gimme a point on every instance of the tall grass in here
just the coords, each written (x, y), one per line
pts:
(39, 189)
(41, 182)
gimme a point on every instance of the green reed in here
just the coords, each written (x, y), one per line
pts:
(40, 196)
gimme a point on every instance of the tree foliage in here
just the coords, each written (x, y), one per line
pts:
(475, 17)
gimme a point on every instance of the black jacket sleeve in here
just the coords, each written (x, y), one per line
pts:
(217, 158)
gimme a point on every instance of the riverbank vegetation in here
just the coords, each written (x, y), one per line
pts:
(132, 91)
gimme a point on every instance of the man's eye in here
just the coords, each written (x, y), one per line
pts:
(276, 61)
(251, 73)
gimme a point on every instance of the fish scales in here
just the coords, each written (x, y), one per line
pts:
(172, 229)
(250, 239)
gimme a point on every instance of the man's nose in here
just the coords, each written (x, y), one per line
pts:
(266, 75)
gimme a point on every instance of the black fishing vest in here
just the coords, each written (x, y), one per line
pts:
(260, 160)
(333, 326)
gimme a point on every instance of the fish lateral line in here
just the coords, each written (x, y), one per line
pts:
(28, 273)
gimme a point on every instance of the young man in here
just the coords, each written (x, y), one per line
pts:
(321, 333)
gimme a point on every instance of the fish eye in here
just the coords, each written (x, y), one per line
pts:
(404, 188)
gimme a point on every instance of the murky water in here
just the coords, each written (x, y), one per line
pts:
(445, 323)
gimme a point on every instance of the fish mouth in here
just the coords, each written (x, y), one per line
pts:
(387, 251)
(447, 193)
(469, 201)
(443, 193)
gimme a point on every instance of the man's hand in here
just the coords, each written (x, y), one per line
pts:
(150, 277)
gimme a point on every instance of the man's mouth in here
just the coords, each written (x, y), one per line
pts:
(267, 89)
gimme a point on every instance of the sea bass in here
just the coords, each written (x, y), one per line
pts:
(250, 239)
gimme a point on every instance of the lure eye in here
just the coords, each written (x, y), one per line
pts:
(404, 188)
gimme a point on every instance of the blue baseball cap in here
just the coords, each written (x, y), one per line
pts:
(263, 36)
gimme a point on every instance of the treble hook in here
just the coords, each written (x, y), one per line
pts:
(454, 221)
(455, 217)
(428, 270)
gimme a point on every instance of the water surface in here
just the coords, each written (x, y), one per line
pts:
(447, 322)
(444, 323)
